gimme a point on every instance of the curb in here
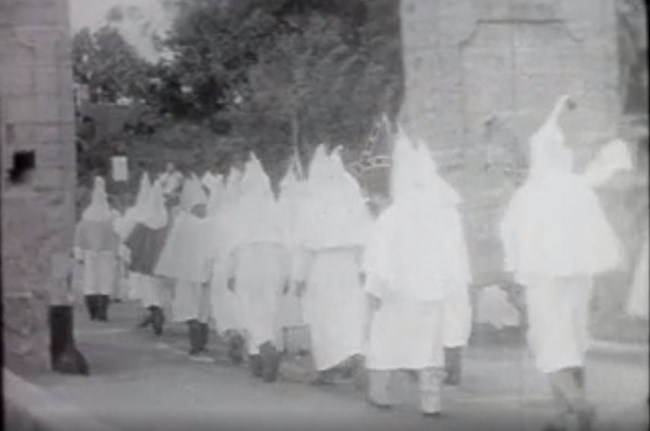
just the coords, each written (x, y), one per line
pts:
(30, 408)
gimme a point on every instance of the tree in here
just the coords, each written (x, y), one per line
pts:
(108, 65)
(289, 73)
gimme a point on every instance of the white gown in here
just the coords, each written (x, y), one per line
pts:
(555, 226)
(261, 271)
(334, 306)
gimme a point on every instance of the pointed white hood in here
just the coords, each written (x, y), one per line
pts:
(154, 214)
(257, 215)
(192, 194)
(99, 209)
(334, 213)
(216, 190)
(417, 249)
(548, 153)
(142, 197)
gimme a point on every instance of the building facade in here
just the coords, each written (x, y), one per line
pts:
(481, 75)
(37, 134)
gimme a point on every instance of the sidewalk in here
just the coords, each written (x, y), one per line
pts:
(140, 382)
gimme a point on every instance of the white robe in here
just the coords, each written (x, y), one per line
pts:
(225, 305)
(555, 226)
(558, 317)
(191, 302)
(457, 318)
(334, 305)
(260, 271)
(154, 291)
(407, 331)
(405, 334)
(100, 272)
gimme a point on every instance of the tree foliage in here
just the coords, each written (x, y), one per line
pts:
(283, 73)
(274, 75)
(108, 65)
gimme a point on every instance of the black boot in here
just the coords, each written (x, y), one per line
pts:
(195, 337)
(270, 362)
(148, 319)
(204, 333)
(255, 365)
(90, 306)
(236, 349)
(102, 307)
(158, 320)
(579, 374)
(453, 357)
(64, 355)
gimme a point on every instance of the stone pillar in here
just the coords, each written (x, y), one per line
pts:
(36, 121)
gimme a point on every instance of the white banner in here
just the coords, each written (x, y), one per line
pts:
(120, 168)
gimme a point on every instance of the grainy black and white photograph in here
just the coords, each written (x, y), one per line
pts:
(324, 214)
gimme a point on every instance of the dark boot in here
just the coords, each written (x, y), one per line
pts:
(236, 349)
(148, 319)
(324, 378)
(64, 355)
(102, 307)
(579, 373)
(158, 320)
(203, 338)
(270, 362)
(453, 360)
(255, 365)
(195, 337)
(90, 306)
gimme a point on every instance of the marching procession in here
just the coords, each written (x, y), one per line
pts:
(380, 293)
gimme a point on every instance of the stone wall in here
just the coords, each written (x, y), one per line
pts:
(36, 115)
(481, 75)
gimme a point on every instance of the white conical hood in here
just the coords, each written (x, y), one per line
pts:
(257, 215)
(612, 158)
(442, 192)
(410, 172)
(232, 190)
(143, 190)
(548, 153)
(192, 194)
(334, 213)
(99, 209)
(319, 162)
(155, 214)
(208, 179)
(216, 190)
(255, 183)
(418, 246)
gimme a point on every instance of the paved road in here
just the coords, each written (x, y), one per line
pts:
(140, 382)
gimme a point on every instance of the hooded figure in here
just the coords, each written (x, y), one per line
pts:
(293, 192)
(96, 246)
(414, 263)
(145, 244)
(226, 306)
(125, 225)
(257, 267)
(556, 239)
(330, 235)
(186, 260)
(216, 189)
